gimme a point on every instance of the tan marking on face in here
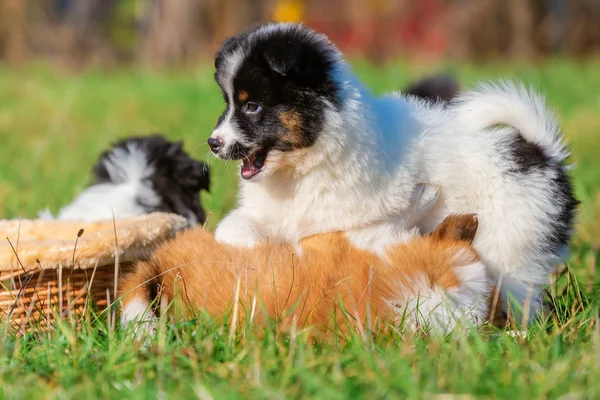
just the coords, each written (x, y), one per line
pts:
(293, 124)
(243, 96)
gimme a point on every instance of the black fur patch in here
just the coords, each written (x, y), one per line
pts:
(434, 88)
(565, 196)
(177, 179)
(529, 158)
(287, 70)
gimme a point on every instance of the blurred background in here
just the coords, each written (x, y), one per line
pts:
(158, 33)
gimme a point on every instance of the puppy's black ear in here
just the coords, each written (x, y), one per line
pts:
(304, 61)
(194, 175)
(280, 61)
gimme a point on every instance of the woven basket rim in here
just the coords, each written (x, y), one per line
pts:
(44, 244)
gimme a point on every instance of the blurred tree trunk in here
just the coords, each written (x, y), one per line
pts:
(14, 39)
(179, 31)
(224, 20)
(172, 32)
(473, 28)
(82, 35)
(457, 25)
(383, 15)
(584, 27)
(522, 37)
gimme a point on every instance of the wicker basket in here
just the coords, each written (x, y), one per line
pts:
(50, 268)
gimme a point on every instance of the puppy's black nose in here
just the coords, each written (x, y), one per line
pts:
(215, 143)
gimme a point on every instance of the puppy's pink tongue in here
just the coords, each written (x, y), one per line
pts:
(248, 169)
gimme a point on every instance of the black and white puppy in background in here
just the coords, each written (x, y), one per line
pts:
(140, 175)
(320, 153)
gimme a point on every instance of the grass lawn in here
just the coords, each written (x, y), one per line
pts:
(53, 125)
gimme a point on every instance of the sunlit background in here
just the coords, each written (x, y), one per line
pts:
(174, 32)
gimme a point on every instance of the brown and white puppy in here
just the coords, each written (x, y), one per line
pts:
(428, 283)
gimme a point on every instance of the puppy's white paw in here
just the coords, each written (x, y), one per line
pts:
(237, 230)
(138, 319)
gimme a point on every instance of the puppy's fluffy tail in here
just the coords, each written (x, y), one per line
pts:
(136, 299)
(512, 104)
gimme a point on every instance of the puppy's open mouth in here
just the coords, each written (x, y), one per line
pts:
(253, 163)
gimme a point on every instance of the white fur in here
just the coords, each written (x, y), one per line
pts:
(419, 306)
(232, 62)
(138, 313)
(380, 236)
(472, 294)
(228, 133)
(128, 170)
(238, 231)
(361, 175)
(227, 130)
(514, 106)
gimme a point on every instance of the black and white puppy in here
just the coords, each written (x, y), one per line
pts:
(320, 153)
(140, 175)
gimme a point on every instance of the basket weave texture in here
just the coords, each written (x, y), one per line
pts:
(50, 267)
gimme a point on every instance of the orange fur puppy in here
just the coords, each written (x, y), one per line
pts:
(429, 282)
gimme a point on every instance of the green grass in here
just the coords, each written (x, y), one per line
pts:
(52, 128)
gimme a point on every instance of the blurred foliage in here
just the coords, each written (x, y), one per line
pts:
(122, 30)
(167, 33)
(289, 11)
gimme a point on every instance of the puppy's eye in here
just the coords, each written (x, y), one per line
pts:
(252, 108)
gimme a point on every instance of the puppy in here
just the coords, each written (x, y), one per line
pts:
(428, 283)
(441, 88)
(320, 153)
(140, 175)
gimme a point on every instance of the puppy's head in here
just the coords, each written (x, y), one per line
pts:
(170, 179)
(277, 82)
